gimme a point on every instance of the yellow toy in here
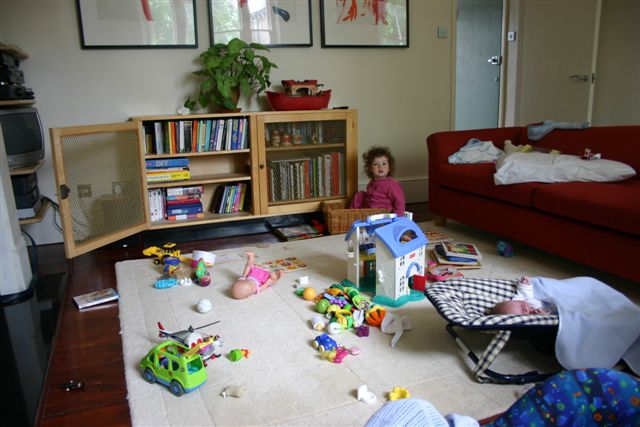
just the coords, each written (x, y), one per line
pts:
(162, 253)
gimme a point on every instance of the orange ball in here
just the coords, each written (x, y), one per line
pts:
(375, 315)
(309, 294)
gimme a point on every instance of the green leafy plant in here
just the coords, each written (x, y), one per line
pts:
(228, 68)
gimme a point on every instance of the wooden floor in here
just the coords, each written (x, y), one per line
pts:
(87, 346)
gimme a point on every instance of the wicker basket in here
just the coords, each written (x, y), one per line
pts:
(339, 218)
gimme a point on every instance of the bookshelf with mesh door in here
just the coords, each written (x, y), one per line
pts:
(238, 166)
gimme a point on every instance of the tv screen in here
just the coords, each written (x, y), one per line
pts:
(23, 138)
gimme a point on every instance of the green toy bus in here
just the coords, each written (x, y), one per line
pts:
(171, 364)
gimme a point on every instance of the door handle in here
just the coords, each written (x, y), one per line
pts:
(495, 60)
(579, 77)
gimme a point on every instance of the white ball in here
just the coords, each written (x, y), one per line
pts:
(204, 306)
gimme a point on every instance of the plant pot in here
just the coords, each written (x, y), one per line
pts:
(235, 97)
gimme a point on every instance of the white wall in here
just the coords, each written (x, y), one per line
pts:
(402, 95)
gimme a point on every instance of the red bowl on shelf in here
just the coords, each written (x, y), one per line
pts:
(283, 102)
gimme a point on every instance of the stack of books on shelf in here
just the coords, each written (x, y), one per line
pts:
(196, 136)
(457, 254)
(176, 203)
(304, 178)
(230, 198)
(166, 170)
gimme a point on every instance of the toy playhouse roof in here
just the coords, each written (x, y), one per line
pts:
(391, 235)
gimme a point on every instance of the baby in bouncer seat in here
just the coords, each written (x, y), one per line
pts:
(523, 302)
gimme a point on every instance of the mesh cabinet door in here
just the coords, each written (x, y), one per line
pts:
(100, 180)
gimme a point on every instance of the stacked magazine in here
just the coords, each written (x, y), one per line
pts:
(458, 254)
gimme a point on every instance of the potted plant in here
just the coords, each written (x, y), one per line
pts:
(229, 69)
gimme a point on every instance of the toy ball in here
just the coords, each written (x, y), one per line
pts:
(375, 315)
(504, 249)
(205, 280)
(204, 306)
(322, 306)
(309, 294)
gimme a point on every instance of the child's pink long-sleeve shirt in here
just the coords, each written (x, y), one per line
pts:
(383, 193)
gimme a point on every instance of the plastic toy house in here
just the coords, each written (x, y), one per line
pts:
(384, 252)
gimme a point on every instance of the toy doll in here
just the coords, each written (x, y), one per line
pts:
(253, 279)
(382, 191)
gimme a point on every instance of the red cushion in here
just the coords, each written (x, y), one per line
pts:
(614, 205)
(478, 179)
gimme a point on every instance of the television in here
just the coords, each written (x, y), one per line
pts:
(23, 137)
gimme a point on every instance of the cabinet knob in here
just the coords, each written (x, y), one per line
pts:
(261, 166)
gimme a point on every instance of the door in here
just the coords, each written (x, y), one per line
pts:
(478, 63)
(99, 173)
(557, 77)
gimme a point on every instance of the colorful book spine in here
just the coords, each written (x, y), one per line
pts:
(168, 176)
(184, 209)
(181, 191)
(185, 216)
(189, 200)
(173, 162)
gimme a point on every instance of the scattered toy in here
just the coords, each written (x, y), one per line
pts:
(365, 395)
(72, 385)
(419, 282)
(317, 322)
(189, 338)
(303, 280)
(438, 273)
(309, 294)
(234, 391)
(171, 264)
(160, 253)
(334, 328)
(208, 258)
(399, 393)
(202, 275)
(164, 282)
(504, 249)
(188, 372)
(392, 324)
(324, 343)
(238, 354)
(362, 331)
(204, 306)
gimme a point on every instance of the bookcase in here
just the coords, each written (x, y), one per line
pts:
(241, 165)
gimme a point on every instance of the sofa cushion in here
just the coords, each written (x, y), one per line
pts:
(614, 205)
(478, 179)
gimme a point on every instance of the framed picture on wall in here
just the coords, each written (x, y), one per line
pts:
(272, 23)
(364, 23)
(137, 24)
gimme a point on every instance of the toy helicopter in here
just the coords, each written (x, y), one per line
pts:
(202, 344)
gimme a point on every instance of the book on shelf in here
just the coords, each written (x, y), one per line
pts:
(297, 232)
(174, 162)
(183, 191)
(177, 175)
(185, 216)
(462, 250)
(185, 209)
(187, 199)
(97, 297)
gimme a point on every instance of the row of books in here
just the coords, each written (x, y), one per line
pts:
(163, 170)
(176, 203)
(457, 254)
(230, 198)
(304, 178)
(196, 136)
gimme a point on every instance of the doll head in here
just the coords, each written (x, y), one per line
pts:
(378, 162)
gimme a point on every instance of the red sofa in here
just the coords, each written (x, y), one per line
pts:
(597, 224)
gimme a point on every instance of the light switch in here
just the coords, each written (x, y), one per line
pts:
(443, 32)
(511, 36)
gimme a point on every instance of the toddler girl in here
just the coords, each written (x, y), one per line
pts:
(382, 191)
(253, 279)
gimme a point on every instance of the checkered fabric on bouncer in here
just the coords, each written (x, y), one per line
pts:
(465, 302)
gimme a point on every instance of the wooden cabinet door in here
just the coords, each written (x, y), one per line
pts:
(101, 186)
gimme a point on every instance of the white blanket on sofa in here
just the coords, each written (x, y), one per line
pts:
(545, 167)
(598, 327)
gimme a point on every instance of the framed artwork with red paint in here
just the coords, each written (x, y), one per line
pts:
(364, 23)
(272, 23)
(138, 24)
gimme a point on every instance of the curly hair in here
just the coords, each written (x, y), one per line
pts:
(374, 152)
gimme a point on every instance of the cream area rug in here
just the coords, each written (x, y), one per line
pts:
(286, 382)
